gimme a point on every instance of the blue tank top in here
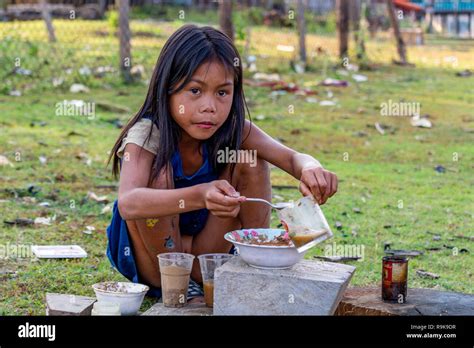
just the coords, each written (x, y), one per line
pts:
(192, 222)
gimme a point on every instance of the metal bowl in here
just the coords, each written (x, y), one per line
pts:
(264, 256)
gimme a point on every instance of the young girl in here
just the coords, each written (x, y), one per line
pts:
(176, 194)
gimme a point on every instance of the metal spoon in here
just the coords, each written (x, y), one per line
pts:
(277, 206)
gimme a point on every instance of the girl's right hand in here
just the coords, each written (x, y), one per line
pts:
(221, 199)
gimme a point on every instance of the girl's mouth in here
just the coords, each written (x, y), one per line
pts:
(205, 125)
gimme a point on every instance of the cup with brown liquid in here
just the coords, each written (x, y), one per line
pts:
(175, 269)
(209, 263)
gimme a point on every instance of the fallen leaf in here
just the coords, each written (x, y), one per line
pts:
(43, 160)
(360, 78)
(78, 88)
(74, 133)
(107, 209)
(403, 252)
(424, 274)
(19, 222)
(94, 197)
(379, 128)
(327, 103)
(89, 230)
(15, 93)
(464, 73)
(44, 221)
(4, 161)
(329, 82)
(417, 121)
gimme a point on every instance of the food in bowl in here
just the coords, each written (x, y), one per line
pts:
(129, 296)
(267, 248)
(251, 236)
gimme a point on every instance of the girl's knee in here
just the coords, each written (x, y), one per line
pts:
(258, 167)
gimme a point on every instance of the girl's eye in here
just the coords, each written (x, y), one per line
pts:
(194, 90)
(222, 93)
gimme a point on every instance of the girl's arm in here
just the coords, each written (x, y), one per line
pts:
(314, 179)
(137, 201)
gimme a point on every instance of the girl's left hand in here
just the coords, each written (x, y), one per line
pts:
(318, 182)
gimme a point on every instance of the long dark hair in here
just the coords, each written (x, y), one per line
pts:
(186, 49)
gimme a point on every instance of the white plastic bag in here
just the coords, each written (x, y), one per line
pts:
(305, 223)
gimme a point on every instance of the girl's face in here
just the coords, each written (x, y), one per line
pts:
(204, 104)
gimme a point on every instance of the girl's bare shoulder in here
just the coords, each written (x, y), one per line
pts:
(138, 133)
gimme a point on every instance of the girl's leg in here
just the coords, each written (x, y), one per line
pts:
(151, 237)
(250, 182)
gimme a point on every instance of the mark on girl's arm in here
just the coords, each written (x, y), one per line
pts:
(169, 243)
(173, 219)
(150, 223)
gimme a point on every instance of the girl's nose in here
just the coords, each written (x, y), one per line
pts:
(208, 105)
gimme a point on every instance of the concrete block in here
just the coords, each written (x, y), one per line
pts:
(196, 309)
(65, 304)
(308, 288)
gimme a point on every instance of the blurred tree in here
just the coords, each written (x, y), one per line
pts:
(342, 8)
(125, 36)
(301, 24)
(47, 20)
(225, 17)
(396, 32)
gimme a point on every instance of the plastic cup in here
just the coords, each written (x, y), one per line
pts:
(209, 263)
(175, 269)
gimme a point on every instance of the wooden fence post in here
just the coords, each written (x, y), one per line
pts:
(47, 20)
(125, 37)
(396, 31)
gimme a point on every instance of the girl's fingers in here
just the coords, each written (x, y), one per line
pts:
(305, 191)
(221, 199)
(329, 177)
(226, 188)
(312, 184)
(322, 184)
(226, 213)
(334, 184)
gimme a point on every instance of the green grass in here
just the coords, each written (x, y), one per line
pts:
(381, 171)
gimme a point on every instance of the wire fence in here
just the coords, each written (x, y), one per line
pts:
(88, 51)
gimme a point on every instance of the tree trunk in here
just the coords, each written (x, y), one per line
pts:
(301, 24)
(359, 29)
(372, 19)
(102, 7)
(396, 31)
(225, 18)
(354, 15)
(343, 27)
(47, 20)
(125, 37)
